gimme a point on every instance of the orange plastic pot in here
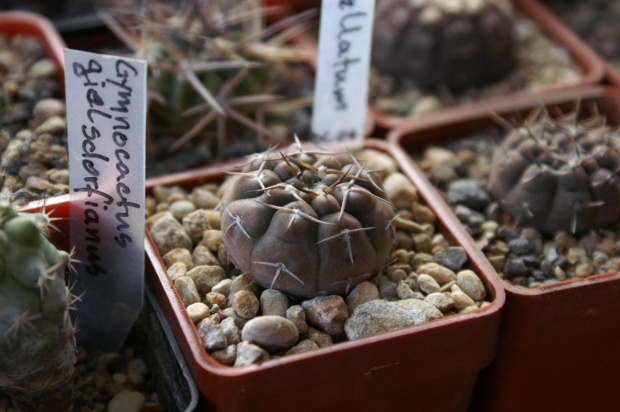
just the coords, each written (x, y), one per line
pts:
(433, 366)
(558, 347)
(12, 23)
(582, 55)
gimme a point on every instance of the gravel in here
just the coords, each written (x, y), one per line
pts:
(246, 324)
(521, 256)
(33, 138)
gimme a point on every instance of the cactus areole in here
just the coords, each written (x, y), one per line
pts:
(559, 174)
(36, 334)
(444, 43)
(307, 223)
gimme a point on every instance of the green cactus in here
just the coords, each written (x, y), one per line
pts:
(36, 333)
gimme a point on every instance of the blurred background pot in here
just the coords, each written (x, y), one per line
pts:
(554, 337)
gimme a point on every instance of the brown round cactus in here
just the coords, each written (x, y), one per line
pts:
(559, 174)
(444, 43)
(307, 223)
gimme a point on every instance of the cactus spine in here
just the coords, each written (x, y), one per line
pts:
(36, 334)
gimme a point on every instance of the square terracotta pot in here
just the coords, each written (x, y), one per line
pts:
(432, 365)
(582, 55)
(558, 347)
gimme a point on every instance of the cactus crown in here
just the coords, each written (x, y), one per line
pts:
(213, 66)
(36, 334)
(307, 222)
(559, 174)
(444, 43)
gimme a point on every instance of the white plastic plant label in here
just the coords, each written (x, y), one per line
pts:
(106, 118)
(341, 88)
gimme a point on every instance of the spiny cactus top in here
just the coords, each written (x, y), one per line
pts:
(307, 223)
(444, 43)
(36, 334)
(559, 174)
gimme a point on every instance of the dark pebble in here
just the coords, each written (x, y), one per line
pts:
(475, 232)
(507, 234)
(531, 261)
(453, 258)
(515, 268)
(521, 246)
(469, 192)
(547, 269)
(538, 275)
(562, 262)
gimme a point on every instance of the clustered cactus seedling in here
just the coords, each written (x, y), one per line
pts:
(36, 335)
(307, 223)
(560, 174)
(444, 43)
(215, 68)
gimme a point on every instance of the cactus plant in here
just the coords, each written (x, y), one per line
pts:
(307, 223)
(444, 43)
(215, 69)
(559, 174)
(36, 333)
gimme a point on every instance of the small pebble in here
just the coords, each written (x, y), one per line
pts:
(181, 208)
(226, 356)
(215, 298)
(203, 256)
(440, 301)
(329, 313)
(231, 331)
(303, 346)
(387, 289)
(381, 316)
(273, 333)
(321, 338)
(427, 284)
(297, 315)
(178, 255)
(440, 273)
(471, 284)
(195, 223)
(245, 304)
(273, 302)
(212, 336)
(168, 234)
(197, 311)
(205, 277)
(187, 290)
(453, 258)
(461, 300)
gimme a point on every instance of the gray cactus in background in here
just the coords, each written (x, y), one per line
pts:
(559, 174)
(444, 43)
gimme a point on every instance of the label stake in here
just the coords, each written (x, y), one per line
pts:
(341, 88)
(106, 118)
